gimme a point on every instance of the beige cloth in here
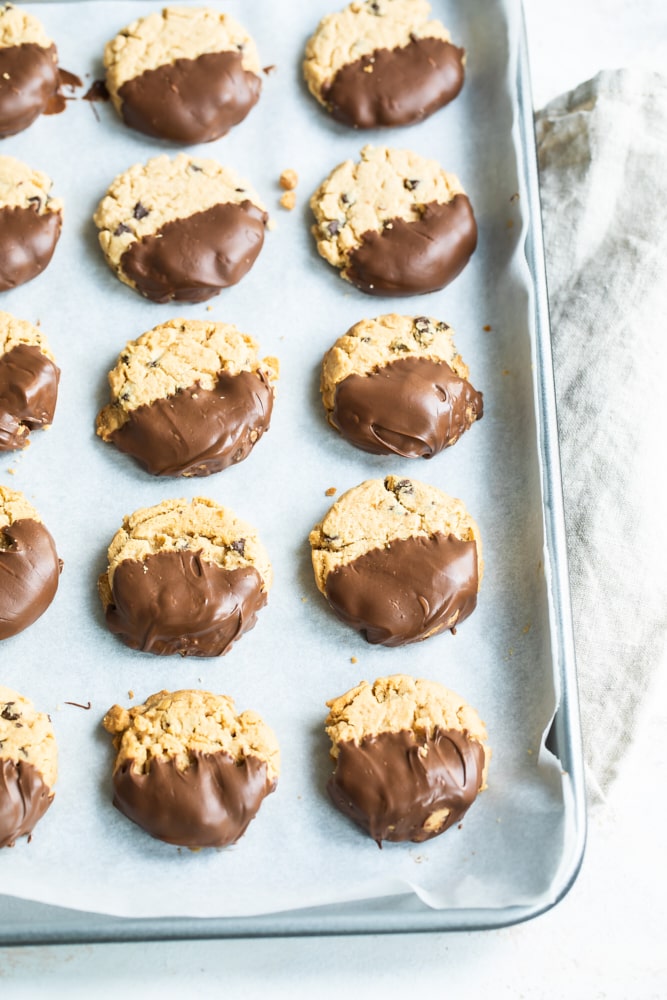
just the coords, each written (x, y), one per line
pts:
(603, 164)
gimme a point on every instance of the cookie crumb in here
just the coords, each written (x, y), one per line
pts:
(289, 180)
(487, 328)
(330, 492)
(268, 70)
(12, 472)
(130, 694)
(515, 197)
(288, 200)
(353, 659)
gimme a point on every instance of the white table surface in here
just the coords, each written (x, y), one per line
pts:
(606, 939)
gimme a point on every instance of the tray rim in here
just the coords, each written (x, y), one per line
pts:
(404, 914)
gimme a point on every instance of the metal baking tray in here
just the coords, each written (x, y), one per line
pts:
(28, 922)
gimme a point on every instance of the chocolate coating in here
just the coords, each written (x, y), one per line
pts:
(208, 804)
(28, 82)
(391, 790)
(412, 407)
(27, 242)
(411, 589)
(28, 394)
(396, 86)
(177, 602)
(29, 574)
(191, 100)
(24, 798)
(192, 259)
(410, 258)
(199, 431)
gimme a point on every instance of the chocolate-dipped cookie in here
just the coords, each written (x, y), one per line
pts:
(180, 229)
(28, 766)
(395, 385)
(28, 382)
(29, 564)
(28, 70)
(189, 770)
(411, 757)
(398, 560)
(383, 63)
(187, 74)
(184, 577)
(30, 222)
(189, 398)
(394, 223)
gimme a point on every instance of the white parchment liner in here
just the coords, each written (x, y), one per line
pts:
(299, 851)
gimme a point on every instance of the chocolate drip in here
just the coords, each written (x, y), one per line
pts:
(24, 798)
(408, 590)
(177, 602)
(412, 407)
(396, 86)
(208, 804)
(199, 431)
(27, 242)
(97, 92)
(410, 258)
(28, 393)
(192, 259)
(191, 100)
(28, 82)
(29, 574)
(392, 784)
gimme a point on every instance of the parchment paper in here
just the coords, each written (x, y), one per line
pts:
(299, 851)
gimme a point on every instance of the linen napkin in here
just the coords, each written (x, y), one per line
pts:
(603, 169)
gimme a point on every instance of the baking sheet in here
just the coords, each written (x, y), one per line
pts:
(299, 852)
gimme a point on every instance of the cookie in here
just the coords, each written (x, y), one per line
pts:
(396, 386)
(383, 63)
(180, 229)
(189, 770)
(28, 766)
(398, 560)
(28, 70)
(29, 564)
(28, 382)
(410, 756)
(30, 222)
(394, 223)
(184, 577)
(189, 398)
(187, 74)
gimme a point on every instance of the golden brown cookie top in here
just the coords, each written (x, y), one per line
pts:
(26, 735)
(175, 356)
(399, 703)
(176, 725)
(23, 187)
(17, 27)
(373, 343)
(140, 201)
(362, 28)
(379, 511)
(15, 507)
(174, 33)
(14, 332)
(359, 198)
(199, 525)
